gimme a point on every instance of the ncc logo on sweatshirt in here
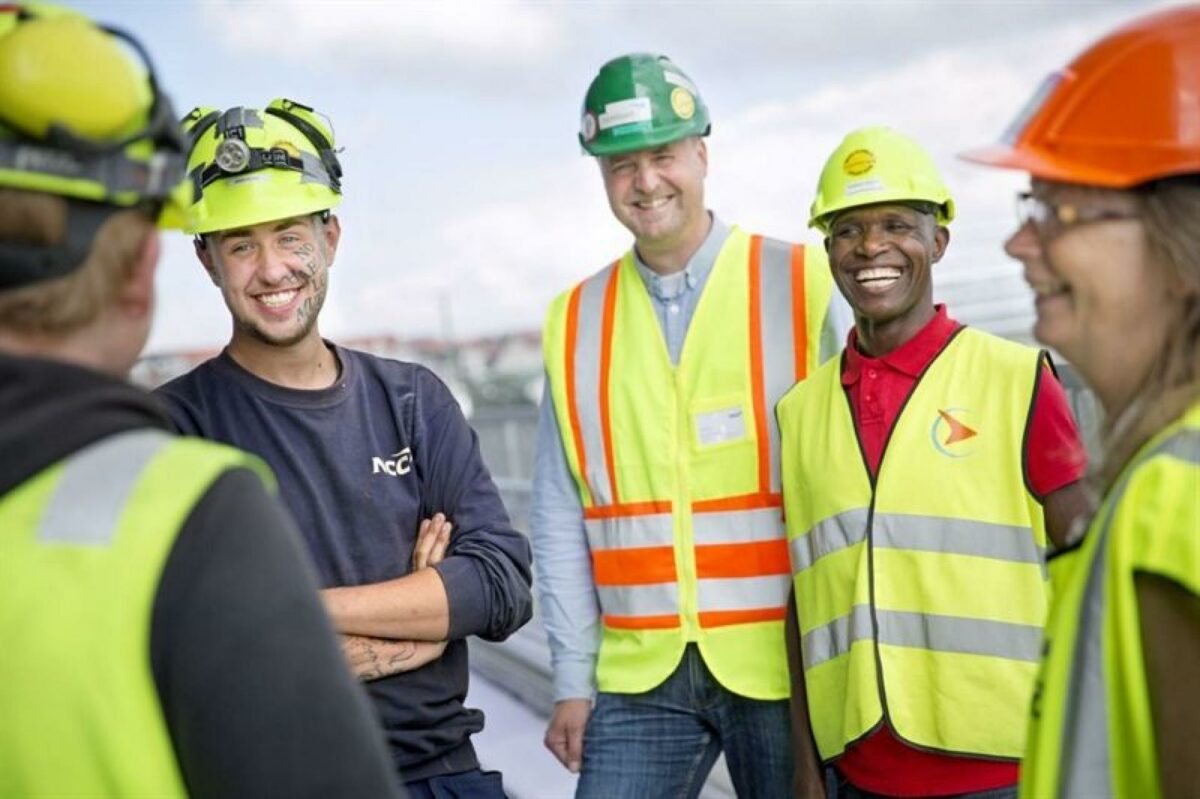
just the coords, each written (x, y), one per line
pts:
(393, 465)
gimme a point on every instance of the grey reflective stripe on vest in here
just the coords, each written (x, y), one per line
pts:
(658, 599)
(933, 632)
(743, 593)
(830, 640)
(630, 532)
(587, 383)
(1185, 446)
(737, 526)
(939, 633)
(957, 537)
(827, 536)
(1086, 766)
(775, 334)
(919, 534)
(93, 490)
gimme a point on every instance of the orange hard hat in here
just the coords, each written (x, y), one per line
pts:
(1125, 112)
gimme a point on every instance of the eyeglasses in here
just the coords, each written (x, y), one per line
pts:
(1052, 218)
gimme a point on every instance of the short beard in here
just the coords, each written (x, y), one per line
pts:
(315, 274)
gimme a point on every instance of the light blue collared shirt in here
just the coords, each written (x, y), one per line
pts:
(562, 561)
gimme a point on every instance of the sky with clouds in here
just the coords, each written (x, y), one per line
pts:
(468, 204)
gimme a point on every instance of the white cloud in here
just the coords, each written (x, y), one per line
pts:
(501, 261)
(526, 48)
(427, 39)
(501, 218)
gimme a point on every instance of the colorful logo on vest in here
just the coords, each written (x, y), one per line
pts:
(951, 433)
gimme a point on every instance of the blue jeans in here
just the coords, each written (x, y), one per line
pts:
(662, 744)
(473, 784)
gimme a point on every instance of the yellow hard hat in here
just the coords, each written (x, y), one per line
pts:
(248, 166)
(878, 165)
(60, 69)
(81, 117)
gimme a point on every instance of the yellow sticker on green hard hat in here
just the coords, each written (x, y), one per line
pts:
(859, 162)
(682, 103)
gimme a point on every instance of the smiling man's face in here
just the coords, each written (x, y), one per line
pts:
(658, 194)
(882, 259)
(273, 276)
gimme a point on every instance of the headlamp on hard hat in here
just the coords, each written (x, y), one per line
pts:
(248, 166)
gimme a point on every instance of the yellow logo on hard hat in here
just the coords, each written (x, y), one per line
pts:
(859, 162)
(682, 103)
(287, 147)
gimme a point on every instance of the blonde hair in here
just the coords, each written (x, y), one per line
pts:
(62, 305)
(1170, 213)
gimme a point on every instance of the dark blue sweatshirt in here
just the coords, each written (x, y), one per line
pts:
(359, 465)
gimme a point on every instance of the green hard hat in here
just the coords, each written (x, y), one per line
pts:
(638, 101)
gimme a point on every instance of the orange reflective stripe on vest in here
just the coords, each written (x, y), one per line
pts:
(677, 464)
(741, 556)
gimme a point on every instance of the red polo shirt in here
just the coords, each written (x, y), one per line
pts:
(881, 763)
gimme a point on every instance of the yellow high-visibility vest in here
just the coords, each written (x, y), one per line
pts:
(82, 548)
(1092, 734)
(921, 593)
(677, 467)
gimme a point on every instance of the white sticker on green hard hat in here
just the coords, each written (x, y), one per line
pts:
(863, 186)
(623, 112)
(679, 80)
(587, 126)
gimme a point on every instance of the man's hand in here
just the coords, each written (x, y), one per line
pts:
(372, 658)
(410, 607)
(564, 733)
(432, 539)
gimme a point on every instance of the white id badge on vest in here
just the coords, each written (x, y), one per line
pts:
(719, 426)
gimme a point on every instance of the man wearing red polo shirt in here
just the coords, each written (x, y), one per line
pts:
(926, 472)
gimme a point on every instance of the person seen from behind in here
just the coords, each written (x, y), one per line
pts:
(159, 615)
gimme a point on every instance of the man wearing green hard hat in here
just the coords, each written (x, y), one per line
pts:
(374, 456)
(656, 506)
(926, 473)
(150, 585)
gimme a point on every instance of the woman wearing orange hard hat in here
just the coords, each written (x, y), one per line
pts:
(1110, 242)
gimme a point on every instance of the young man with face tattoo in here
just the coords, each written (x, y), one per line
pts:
(373, 456)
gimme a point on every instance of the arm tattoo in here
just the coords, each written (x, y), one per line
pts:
(372, 658)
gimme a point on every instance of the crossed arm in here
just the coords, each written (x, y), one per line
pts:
(376, 641)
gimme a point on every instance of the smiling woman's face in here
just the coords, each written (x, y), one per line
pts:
(1099, 298)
